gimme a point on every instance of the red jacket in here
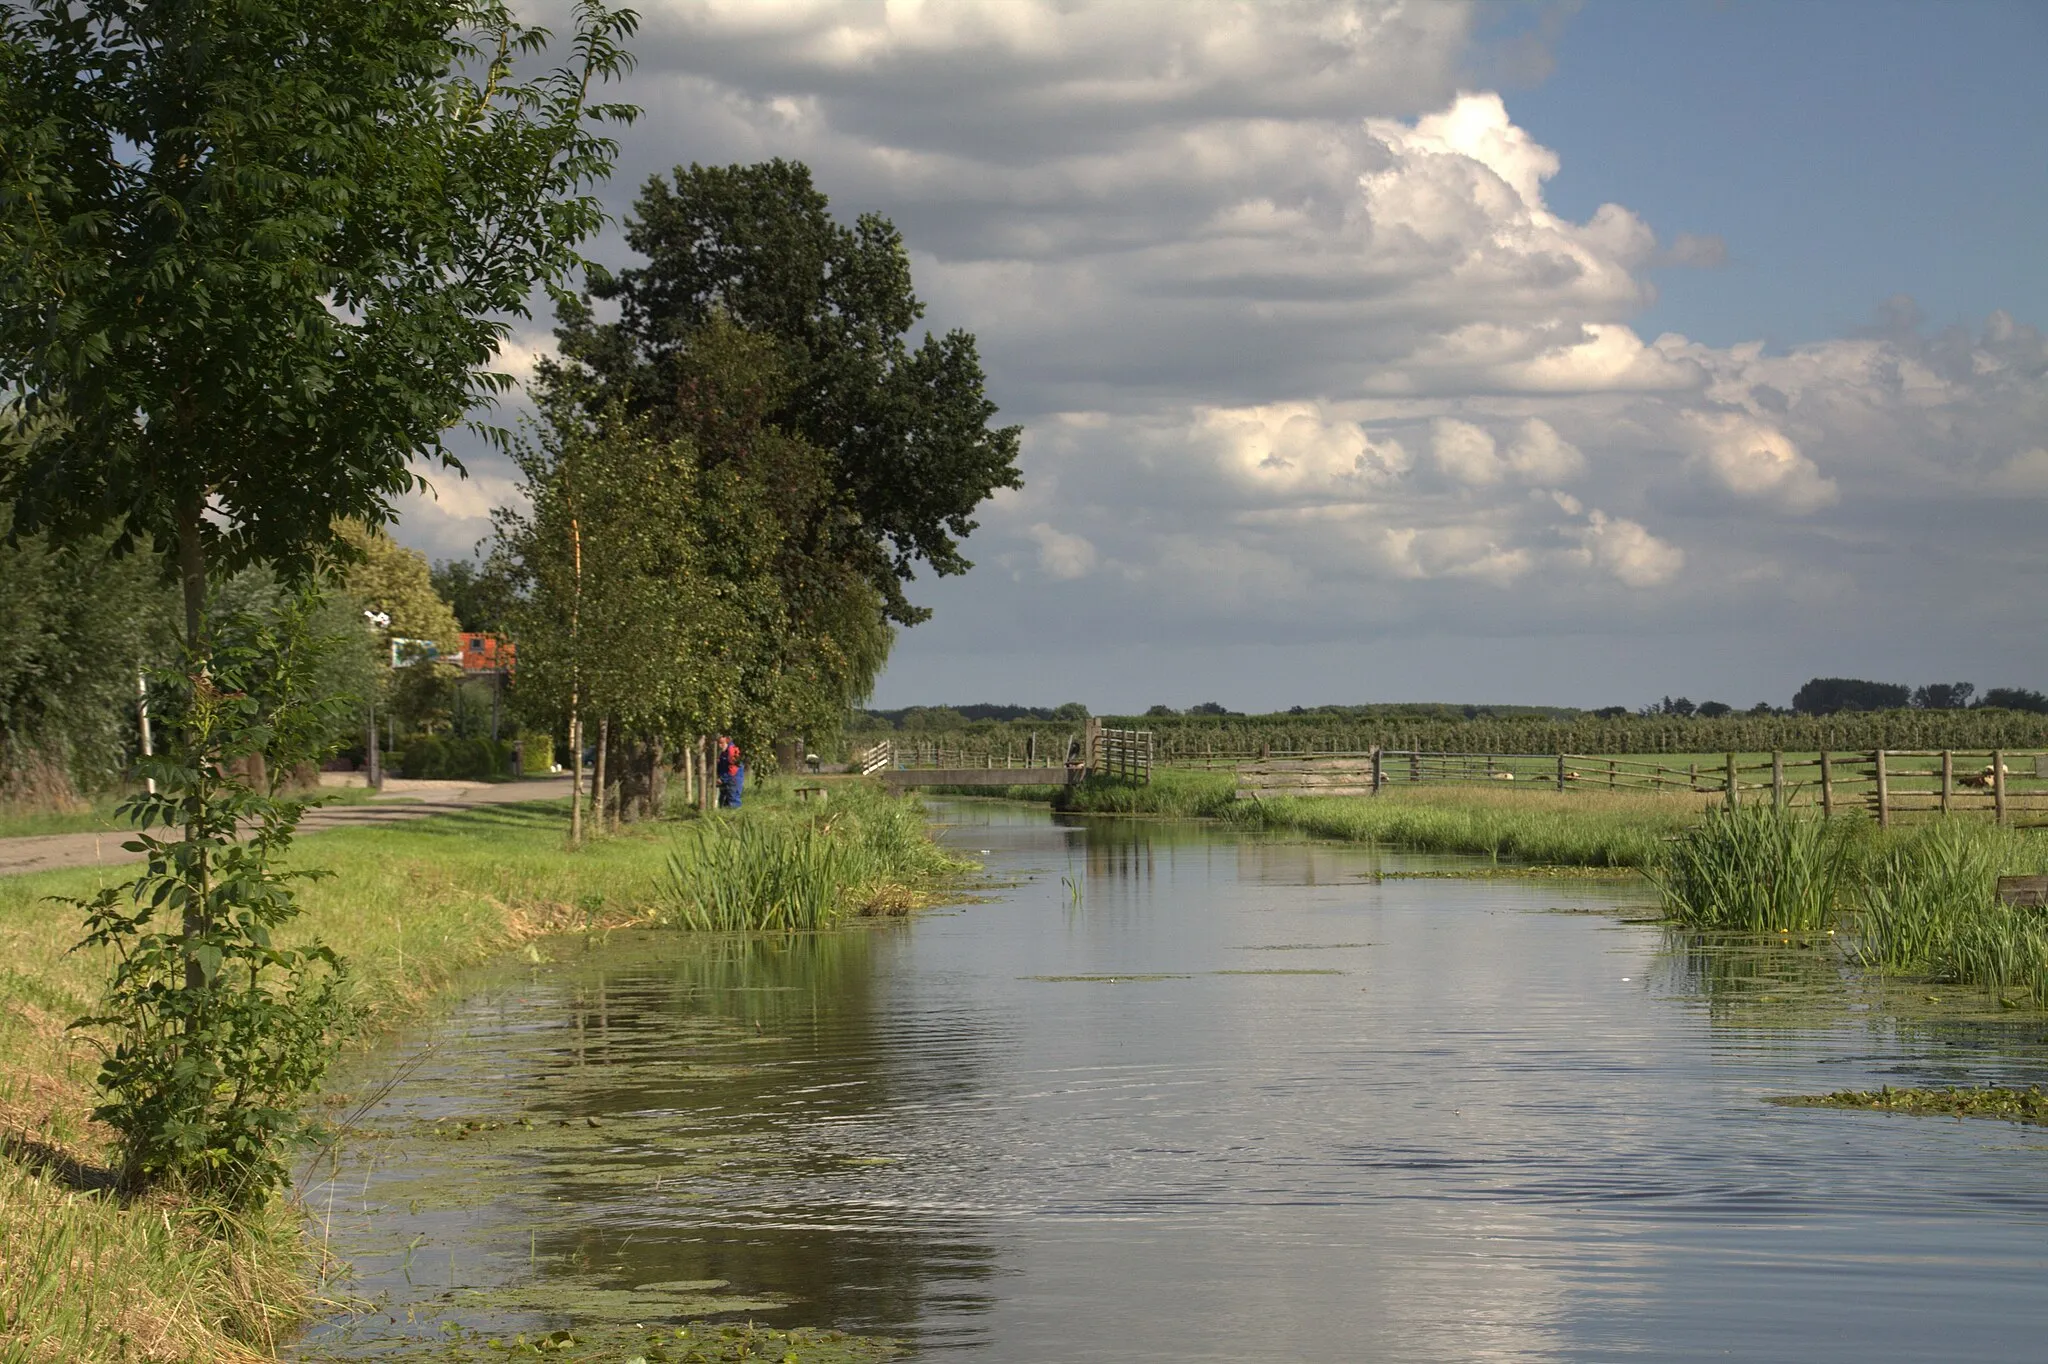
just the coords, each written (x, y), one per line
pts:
(728, 759)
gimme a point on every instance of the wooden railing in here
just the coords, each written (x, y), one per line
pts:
(877, 759)
(1125, 753)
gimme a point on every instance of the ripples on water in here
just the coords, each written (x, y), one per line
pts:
(1242, 1101)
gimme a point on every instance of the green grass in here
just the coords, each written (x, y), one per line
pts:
(1580, 828)
(409, 905)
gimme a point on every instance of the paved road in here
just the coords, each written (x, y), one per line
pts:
(401, 800)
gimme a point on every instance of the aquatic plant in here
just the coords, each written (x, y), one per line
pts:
(740, 874)
(1930, 908)
(871, 856)
(1756, 870)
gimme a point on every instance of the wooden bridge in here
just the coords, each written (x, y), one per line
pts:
(1123, 753)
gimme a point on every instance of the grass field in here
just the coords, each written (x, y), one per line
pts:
(87, 1276)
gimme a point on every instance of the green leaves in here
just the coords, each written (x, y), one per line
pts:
(755, 247)
(211, 1033)
(259, 253)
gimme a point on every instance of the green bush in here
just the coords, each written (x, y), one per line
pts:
(431, 756)
(538, 755)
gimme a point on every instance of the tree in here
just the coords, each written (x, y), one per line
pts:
(2015, 698)
(911, 450)
(482, 595)
(1162, 711)
(1714, 710)
(1829, 695)
(1944, 695)
(260, 251)
(388, 578)
(1070, 711)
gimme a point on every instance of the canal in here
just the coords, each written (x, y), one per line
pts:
(1171, 1092)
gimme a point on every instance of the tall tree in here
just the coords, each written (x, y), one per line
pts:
(907, 429)
(260, 252)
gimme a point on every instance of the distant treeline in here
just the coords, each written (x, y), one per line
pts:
(1193, 736)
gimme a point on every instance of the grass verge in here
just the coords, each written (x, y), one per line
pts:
(1577, 828)
(86, 1276)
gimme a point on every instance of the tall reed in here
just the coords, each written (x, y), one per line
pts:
(1930, 909)
(1756, 870)
(767, 870)
(741, 874)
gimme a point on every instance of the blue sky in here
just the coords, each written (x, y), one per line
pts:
(1845, 152)
(1371, 350)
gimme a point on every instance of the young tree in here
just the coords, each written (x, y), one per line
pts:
(258, 256)
(261, 251)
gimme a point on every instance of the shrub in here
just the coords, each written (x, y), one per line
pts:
(431, 756)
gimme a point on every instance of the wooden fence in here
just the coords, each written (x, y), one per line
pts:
(2011, 787)
(1125, 753)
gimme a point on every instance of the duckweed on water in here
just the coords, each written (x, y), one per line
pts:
(2029, 1106)
(697, 1343)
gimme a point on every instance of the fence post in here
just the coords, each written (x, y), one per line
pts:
(1948, 777)
(1827, 787)
(1778, 778)
(1379, 776)
(1610, 774)
(1884, 791)
(1560, 771)
(1734, 785)
(1998, 785)
(1414, 766)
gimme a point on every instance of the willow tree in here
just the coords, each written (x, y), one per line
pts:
(260, 254)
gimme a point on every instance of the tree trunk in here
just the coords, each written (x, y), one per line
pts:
(575, 775)
(604, 725)
(192, 581)
(657, 778)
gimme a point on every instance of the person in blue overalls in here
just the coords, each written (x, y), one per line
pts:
(732, 774)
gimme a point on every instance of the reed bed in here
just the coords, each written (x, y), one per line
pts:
(789, 873)
(1929, 909)
(1757, 870)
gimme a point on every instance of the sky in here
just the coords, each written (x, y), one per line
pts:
(1369, 350)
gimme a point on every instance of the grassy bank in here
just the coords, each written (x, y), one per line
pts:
(88, 1276)
(1574, 828)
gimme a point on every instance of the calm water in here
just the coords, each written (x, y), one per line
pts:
(1315, 1115)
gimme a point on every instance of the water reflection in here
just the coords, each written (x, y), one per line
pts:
(1243, 1099)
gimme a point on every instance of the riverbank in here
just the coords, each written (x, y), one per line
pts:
(1545, 828)
(89, 1276)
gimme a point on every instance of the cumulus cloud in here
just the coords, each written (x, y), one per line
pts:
(1629, 552)
(1302, 348)
(1757, 462)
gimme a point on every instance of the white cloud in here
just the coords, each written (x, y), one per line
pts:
(2025, 474)
(1061, 555)
(1465, 452)
(1629, 552)
(1540, 455)
(1757, 462)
